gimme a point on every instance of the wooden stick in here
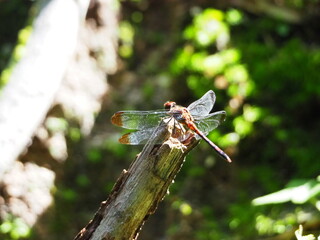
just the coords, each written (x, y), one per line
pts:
(137, 192)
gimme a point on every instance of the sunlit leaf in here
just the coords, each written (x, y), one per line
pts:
(208, 27)
(251, 113)
(126, 31)
(126, 35)
(299, 234)
(230, 56)
(20, 229)
(234, 16)
(263, 224)
(297, 194)
(197, 61)
(56, 124)
(182, 59)
(185, 209)
(230, 139)
(237, 73)
(6, 227)
(241, 126)
(125, 50)
(213, 64)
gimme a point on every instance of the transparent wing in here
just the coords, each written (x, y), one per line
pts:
(207, 123)
(138, 119)
(138, 137)
(203, 106)
(159, 135)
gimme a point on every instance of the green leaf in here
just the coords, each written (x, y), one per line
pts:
(297, 191)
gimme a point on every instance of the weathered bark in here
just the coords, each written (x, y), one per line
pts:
(137, 192)
(35, 80)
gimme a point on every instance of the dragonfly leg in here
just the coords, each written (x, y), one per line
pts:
(179, 131)
(188, 138)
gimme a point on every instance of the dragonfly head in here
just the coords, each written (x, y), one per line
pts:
(168, 105)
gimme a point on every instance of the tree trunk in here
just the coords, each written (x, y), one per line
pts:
(26, 99)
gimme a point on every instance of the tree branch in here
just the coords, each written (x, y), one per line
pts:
(137, 192)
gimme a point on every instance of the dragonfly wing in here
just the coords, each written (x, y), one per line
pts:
(138, 119)
(203, 106)
(207, 123)
(138, 137)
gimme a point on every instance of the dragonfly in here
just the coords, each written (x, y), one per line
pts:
(196, 118)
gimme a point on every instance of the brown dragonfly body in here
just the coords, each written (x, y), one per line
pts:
(196, 117)
(183, 116)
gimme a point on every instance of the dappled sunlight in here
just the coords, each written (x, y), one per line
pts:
(262, 62)
(126, 35)
(30, 189)
(300, 193)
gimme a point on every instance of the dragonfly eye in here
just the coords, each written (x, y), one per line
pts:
(169, 105)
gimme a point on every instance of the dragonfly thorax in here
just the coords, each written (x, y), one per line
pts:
(181, 114)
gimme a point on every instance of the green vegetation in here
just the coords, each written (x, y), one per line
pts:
(14, 228)
(265, 73)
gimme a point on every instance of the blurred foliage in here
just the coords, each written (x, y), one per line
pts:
(298, 191)
(17, 54)
(126, 37)
(300, 236)
(272, 91)
(14, 228)
(265, 73)
(13, 35)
